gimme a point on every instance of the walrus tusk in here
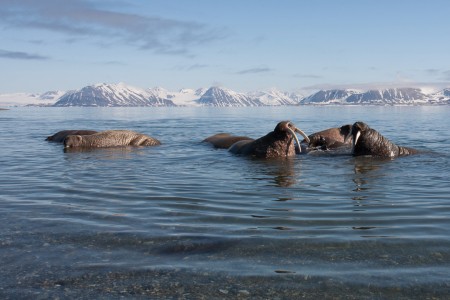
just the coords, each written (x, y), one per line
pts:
(358, 134)
(296, 139)
(303, 134)
(355, 139)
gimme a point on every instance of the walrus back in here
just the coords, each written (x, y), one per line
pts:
(403, 151)
(60, 136)
(112, 138)
(224, 140)
(243, 147)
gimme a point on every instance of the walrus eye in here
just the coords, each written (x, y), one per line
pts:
(287, 126)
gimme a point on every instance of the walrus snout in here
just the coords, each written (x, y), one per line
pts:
(355, 133)
(72, 141)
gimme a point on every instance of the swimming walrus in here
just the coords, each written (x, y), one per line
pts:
(60, 136)
(331, 138)
(110, 138)
(277, 143)
(224, 140)
(367, 141)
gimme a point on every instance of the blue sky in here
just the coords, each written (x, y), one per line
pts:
(244, 45)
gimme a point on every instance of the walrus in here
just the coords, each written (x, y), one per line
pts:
(278, 143)
(331, 138)
(367, 141)
(110, 138)
(60, 136)
(225, 140)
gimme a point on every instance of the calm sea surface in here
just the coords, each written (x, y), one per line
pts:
(184, 220)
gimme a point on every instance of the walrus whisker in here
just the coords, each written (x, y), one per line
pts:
(296, 138)
(348, 136)
(288, 145)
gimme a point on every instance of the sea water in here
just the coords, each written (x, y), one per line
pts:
(185, 220)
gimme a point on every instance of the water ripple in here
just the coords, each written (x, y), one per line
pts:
(187, 206)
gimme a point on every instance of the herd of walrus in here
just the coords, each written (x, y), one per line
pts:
(281, 142)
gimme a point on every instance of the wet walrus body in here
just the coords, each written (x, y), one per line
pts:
(110, 138)
(331, 138)
(60, 136)
(278, 143)
(367, 141)
(225, 140)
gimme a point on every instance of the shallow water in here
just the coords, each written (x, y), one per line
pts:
(185, 220)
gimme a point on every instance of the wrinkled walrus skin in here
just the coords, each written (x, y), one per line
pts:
(60, 136)
(331, 138)
(278, 143)
(225, 140)
(367, 141)
(110, 138)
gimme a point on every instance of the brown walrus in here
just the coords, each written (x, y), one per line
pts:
(110, 138)
(367, 141)
(278, 143)
(60, 136)
(331, 138)
(225, 140)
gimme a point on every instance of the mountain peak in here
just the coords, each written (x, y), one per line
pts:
(375, 96)
(222, 97)
(104, 94)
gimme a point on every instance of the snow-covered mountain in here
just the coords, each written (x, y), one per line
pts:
(392, 96)
(446, 92)
(125, 95)
(388, 96)
(111, 95)
(328, 97)
(184, 97)
(221, 97)
(30, 99)
(441, 97)
(274, 97)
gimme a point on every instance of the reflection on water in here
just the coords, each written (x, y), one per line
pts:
(80, 223)
(106, 153)
(367, 164)
(366, 169)
(282, 172)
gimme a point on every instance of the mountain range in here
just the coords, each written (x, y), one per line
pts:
(121, 94)
(125, 95)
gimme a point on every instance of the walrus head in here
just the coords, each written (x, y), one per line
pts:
(356, 131)
(72, 141)
(288, 128)
(345, 130)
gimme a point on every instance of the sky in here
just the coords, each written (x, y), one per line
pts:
(243, 45)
